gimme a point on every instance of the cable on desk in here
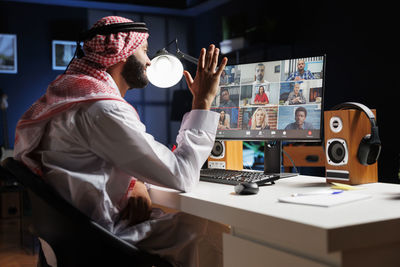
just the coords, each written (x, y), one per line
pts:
(291, 160)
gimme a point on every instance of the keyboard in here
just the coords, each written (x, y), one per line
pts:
(234, 177)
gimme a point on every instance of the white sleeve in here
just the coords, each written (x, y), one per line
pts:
(115, 133)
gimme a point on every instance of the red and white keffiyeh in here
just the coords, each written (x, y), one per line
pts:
(85, 80)
(103, 51)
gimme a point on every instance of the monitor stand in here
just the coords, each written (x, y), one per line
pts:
(273, 160)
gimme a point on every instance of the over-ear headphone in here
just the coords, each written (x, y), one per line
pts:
(370, 145)
(108, 29)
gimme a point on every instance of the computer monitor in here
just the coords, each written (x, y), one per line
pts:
(280, 100)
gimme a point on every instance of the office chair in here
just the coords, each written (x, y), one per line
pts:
(75, 239)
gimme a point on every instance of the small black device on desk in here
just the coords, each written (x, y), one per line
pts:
(246, 188)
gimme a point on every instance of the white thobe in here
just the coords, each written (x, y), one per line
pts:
(90, 153)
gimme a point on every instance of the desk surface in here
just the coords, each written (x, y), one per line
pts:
(262, 217)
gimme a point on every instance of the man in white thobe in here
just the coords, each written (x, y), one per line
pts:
(90, 145)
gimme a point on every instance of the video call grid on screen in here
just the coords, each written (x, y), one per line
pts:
(275, 100)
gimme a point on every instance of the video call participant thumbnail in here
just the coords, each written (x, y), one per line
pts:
(301, 73)
(224, 120)
(261, 97)
(296, 96)
(259, 75)
(259, 120)
(300, 121)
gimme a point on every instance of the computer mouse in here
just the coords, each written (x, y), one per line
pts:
(246, 188)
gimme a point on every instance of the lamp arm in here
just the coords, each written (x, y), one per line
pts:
(182, 55)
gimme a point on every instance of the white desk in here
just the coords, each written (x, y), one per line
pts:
(266, 232)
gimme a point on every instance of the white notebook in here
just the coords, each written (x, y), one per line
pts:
(325, 200)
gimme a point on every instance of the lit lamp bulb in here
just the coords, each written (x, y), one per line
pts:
(165, 70)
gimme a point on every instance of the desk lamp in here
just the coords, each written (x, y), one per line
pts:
(166, 69)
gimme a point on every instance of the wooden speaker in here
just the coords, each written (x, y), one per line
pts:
(226, 155)
(344, 133)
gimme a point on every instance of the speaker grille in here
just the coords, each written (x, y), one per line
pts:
(217, 150)
(337, 153)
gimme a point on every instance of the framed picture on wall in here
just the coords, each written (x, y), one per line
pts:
(8, 53)
(62, 53)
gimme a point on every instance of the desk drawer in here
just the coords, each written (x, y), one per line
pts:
(240, 252)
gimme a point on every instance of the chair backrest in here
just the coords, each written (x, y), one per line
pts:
(75, 239)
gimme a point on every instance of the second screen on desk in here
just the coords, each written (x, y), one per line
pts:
(275, 100)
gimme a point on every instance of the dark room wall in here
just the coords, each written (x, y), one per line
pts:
(35, 26)
(359, 41)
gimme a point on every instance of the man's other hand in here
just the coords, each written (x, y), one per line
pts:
(139, 205)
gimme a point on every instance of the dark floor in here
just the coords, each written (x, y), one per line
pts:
(14, 252)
